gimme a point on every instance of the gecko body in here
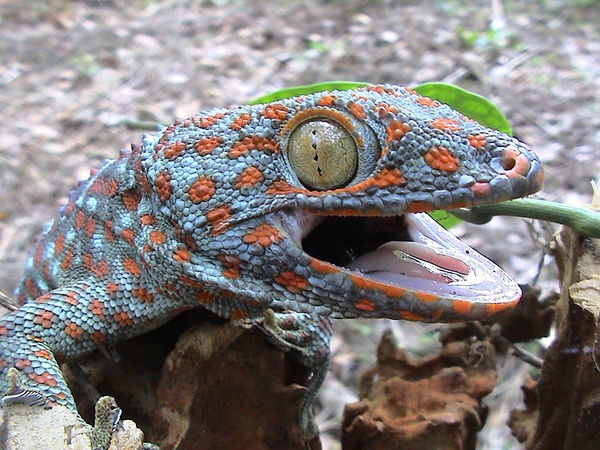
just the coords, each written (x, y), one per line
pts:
(282, 215)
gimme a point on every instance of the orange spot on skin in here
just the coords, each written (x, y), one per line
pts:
(123, 319)
(440, 158)
(132, 267)
(327, 100)
(496, 308)
(206, 145)
(386, 177)
(248, 178)
(174, 150)
(22, 363)
(365, 305)
(239, 315)
(291, 281)
(3, 330)
(240, 122)
(275, 111)
(426, 101)
(112, 288)
(163, 187)
(461, 306)
(446, 124)
(263, 235)
(31, 289)
(191, 282)
(104, 186)
(44, 318)
(383, 90)
(67, 259)
(131, 199)
(206, 122)
(201, 190)
(73, 330)
(437, 314)
(90, 227)
(218, 217)
(158, 237)
(3, 364)
(69, 207)
(59, 244)
(281, 187)
(143, 180)
(128, 234)
(143, 295)
(408, 315)
(384, 109)
(100, 269)
(181, 255)
(98, 338)
(419, 207)
(43, 354)
(426, 297)
(43, 378)
(477, 141)
(80, 220)
(108, 231)
(456, 205)
(204, 298)
(44, 298)
(356, 110)
(480, 189)
(39, 252)
(147, 219)
(396, 130)
(97, 308)
(249, 143)
(231, 266)
(376, 88)
(185, 238)
(71, 298)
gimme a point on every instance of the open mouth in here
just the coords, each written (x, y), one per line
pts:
(410, 251)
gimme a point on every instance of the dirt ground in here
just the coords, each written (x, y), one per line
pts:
(72, 73)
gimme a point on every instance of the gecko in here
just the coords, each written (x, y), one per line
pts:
(282, 215)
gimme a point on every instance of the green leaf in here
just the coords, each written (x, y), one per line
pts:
(468, 103)
(445, 218)
(306, 89)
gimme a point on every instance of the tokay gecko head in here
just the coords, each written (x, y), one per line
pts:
(309, 202)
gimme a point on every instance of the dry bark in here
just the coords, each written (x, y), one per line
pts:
(199, 383)
(563, 410)
(430, 403)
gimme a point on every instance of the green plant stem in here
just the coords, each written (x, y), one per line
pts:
(583, 221)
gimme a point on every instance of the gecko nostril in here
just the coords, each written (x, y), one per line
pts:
(509, 163)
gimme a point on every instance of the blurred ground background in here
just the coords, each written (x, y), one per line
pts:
(71, 73)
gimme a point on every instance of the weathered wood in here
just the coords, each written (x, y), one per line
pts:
(567, 406)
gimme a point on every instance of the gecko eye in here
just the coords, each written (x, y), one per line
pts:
(323, 154)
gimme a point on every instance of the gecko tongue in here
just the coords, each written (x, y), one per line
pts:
(434, 261)
(410, 259)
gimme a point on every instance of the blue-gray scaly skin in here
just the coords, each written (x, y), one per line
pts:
(211, 212)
